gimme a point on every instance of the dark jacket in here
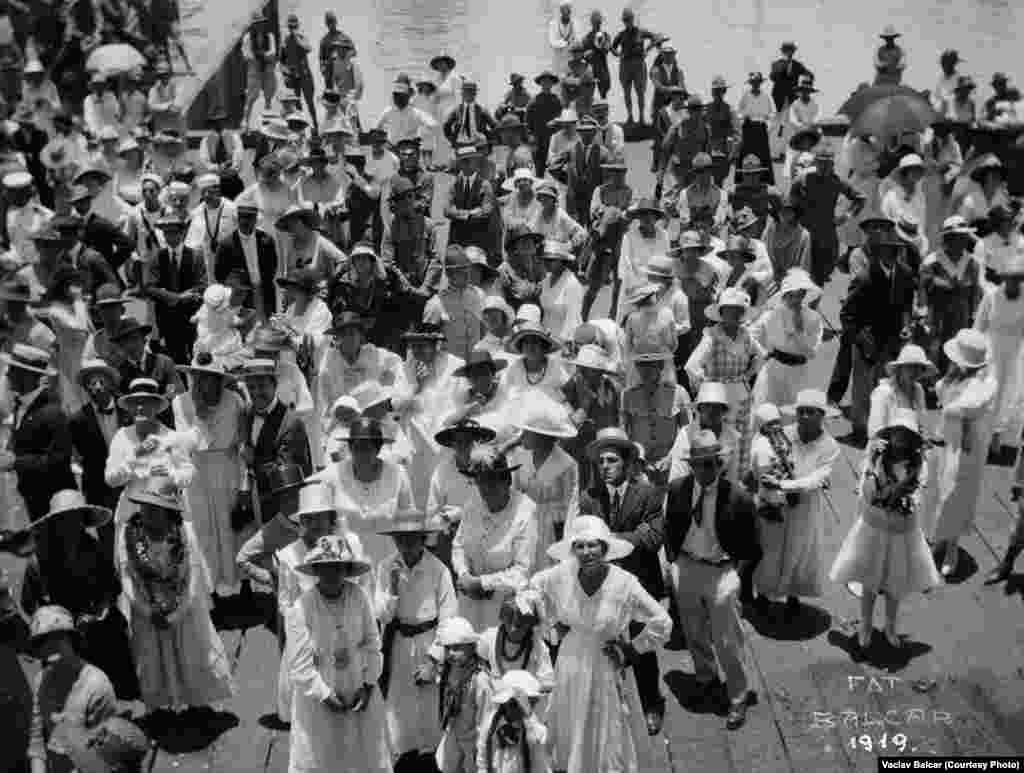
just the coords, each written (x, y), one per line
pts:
(92, 449)
(41, 445)
(477, 198)
(282, 440)
(640, 521)
(735, 525)
(784, 76)
(879, 305)
(453, 124)
(95, 269)
(108, 240)
(158, 367)
(231, 257)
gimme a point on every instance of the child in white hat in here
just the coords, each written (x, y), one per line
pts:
(465, 697)
(513, 737)
(215, 328)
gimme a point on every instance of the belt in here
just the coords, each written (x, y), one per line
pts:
(408, 630)
(788, 359)
(707, 562)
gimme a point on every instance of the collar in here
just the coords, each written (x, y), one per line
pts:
(27, 400)
(711, 488)
(620, 489)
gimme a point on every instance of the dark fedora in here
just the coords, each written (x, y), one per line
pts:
(130, 326)
(446, 437)
(108, 295)
(347, 319)
(517, 232)
(477, 360)
(367, 429)
(278, 477)
(425, 331)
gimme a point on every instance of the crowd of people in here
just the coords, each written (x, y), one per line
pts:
(366, 391)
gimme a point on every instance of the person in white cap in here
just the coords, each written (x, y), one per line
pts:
(903, 192)
(25, 215)
(402, 121)
(100, 107)
(710, 411)
(213, 221)
(595, 696)
(1001, 317)
(465, 696)
(967, 394)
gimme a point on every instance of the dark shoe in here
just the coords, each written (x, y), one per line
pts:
(1000, 574)
(737, 715)
(654, 719)
(710, 696)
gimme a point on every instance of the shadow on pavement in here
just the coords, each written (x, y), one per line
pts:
(880, 653)
(771, 622)
(189, 731)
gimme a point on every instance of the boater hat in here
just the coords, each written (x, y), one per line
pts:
(73, 501)
(612, 437)
(589, 528)
(29, 358)
(94, 366)
(534, 330)
(542, 415)
(912, 355)
(203, 362)
(333, 551)
(143, 390)
(731, 296)
(704, 445)
(412, 522)
(446, 437)
(160, 492)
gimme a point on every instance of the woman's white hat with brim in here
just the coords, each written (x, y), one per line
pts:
(593, 357)
(314, 498)
(543, 416)
(333, 550)
(731, 296)
(143, 389)
(968, 349)
(798, 279)
(517, 685)
(912, 355)
(589, 528)
(456, 632)
(812, 398)
(712, 393)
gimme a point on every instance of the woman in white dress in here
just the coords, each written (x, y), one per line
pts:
(547, 474)
(790, 333)
(595, 719)
(494, 548)
(536, 368)
(903, 193)
(69, 316)
(561, 294)
(368, 490)
(213, 414)
(967, 394)
(446, 97)
(338, 721)
(145, 448)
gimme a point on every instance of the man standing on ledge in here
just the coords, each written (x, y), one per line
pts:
(630, 46)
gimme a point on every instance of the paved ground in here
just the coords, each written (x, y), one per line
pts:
(957, 690)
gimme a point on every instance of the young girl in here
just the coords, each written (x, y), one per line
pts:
(561, 294)
(215, 328)
(536, 368)
(465, 697)
(513, 739)
(885, 551)
(648, 325)
(516, 643)
(497, 318)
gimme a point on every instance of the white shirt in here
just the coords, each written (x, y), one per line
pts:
(701, 540)
(258, 419)
(620, 490)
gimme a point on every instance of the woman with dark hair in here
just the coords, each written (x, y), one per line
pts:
(787, 241)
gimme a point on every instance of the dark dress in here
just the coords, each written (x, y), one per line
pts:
(85, 583)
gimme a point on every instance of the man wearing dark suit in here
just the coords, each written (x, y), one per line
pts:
(95, 231)
(470, 203)
(134, 359)
(92, 427)
(251, 251)
(579, 168)
(710, 534)
(786, 71)
(633, 511)
(275, 433)
(469, 120)
(175, 282)
(68, 250)
(40, 446)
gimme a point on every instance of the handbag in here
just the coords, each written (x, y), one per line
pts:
(242, 514)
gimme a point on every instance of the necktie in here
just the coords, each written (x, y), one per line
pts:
(467, 119)
(616, 506)
(698, 511)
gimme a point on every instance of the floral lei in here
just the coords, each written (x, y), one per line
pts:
(895, 497)
(152, 576)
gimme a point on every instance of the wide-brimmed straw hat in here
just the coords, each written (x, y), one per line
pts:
(297, 212)
(50, 619)
(731, 296)
(968, 349)
(368, 429)
(425, 331)
(477, 359)
(455, 427)
(956, 225)
(638, 294)
(704, 445)
(542, 415)
(73, 501)
(814, 399)
(412, 522)
(612, 437)
(160, 492)
(589, 528)
(315, 498)
(534, 330)
(97, 366)
(456, 632)
(333, 551)
(988, 162)
(798, 279)
(593, 357)
(554, 250)
(203, 363)
(29, 358)
(370, 394)
(912, 355)
(143, 390)
(712, 393)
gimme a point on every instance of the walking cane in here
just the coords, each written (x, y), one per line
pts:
(668, 754)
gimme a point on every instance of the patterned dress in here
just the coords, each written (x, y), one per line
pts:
(732, 362)
(554, 487)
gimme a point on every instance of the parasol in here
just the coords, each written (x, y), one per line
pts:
(887, 111)
(115, 59)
